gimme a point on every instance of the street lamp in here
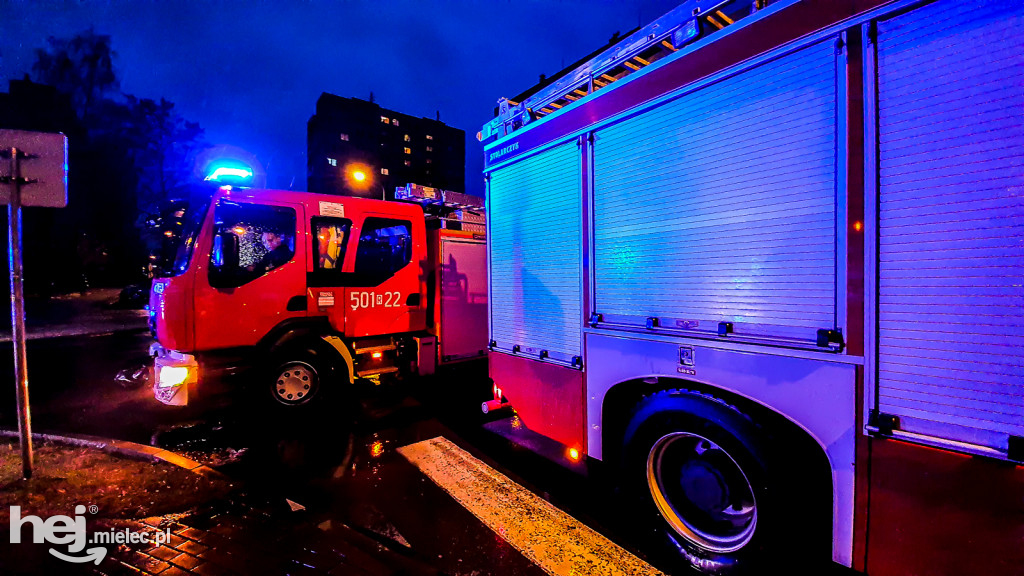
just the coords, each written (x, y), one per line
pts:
(358, 179)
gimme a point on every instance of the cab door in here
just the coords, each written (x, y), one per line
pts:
(383, 293)
(255, 275)
(331, 268)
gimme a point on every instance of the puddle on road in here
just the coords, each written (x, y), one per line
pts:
(311, 458)
(348, 470)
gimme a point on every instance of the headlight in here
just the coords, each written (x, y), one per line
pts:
(171, 376)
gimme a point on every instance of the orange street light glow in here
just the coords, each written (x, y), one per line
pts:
(359, 175)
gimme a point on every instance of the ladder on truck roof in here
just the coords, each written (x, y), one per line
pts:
(690, 21)
(445, 206)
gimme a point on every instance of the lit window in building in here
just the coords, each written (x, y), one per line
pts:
(332, 161)
(395, 121)
(385, 119)
(408, 150)
(429, 161)
(344, 137)
(384, 171)
(408, 162)
(429, 137)
(407, 139)
(430, 148)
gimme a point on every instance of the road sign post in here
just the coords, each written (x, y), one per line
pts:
(42, 181)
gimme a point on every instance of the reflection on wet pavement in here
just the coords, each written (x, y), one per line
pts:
(346, 471)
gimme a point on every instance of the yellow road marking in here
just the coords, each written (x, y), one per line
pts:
(555, 541)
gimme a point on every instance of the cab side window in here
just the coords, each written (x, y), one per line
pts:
(385, 247)
(330, 242)
(249, 241)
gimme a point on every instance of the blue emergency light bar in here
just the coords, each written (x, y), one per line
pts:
(232, 174)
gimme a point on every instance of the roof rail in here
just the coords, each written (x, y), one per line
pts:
(427, 196)
(690, 21)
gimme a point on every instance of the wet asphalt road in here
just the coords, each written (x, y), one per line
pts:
(341, 466)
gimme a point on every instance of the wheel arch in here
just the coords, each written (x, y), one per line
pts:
(620, 400)
(313, 334)
(289, 332)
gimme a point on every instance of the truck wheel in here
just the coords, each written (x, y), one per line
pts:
(695, 472)
(299, 379)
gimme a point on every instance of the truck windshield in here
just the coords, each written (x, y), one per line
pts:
(179, 250)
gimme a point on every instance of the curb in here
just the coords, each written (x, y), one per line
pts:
(126, 449)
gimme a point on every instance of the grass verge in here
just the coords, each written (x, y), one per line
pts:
(119, 487)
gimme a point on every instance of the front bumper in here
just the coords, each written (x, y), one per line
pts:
(173, 374)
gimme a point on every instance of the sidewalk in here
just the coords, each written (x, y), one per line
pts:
(88, 313)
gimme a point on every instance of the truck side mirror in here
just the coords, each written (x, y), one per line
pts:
(224, 260)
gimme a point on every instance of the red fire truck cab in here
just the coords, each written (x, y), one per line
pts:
(317, 291)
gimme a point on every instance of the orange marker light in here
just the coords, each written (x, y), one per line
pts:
(858, 226)
(376, 449)
(574, 454)
(376, 355)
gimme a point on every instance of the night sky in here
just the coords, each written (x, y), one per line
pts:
(250, 72)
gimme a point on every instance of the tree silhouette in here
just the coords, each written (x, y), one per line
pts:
(81, 67)
(132, 152)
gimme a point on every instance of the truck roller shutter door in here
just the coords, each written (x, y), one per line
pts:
(720, 206)
(951, 221)
(534, 233)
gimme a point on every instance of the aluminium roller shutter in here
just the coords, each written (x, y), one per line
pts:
(534, 233)
(951, 220)
(720, 206)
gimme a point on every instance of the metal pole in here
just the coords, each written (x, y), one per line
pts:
(18, 315)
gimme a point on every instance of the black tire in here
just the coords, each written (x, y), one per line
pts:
(300, 379)
(695, 473)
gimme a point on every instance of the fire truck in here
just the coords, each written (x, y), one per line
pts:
(764, 260)
(318, 291)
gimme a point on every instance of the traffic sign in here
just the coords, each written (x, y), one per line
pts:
(36, 175)
(43, 167)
